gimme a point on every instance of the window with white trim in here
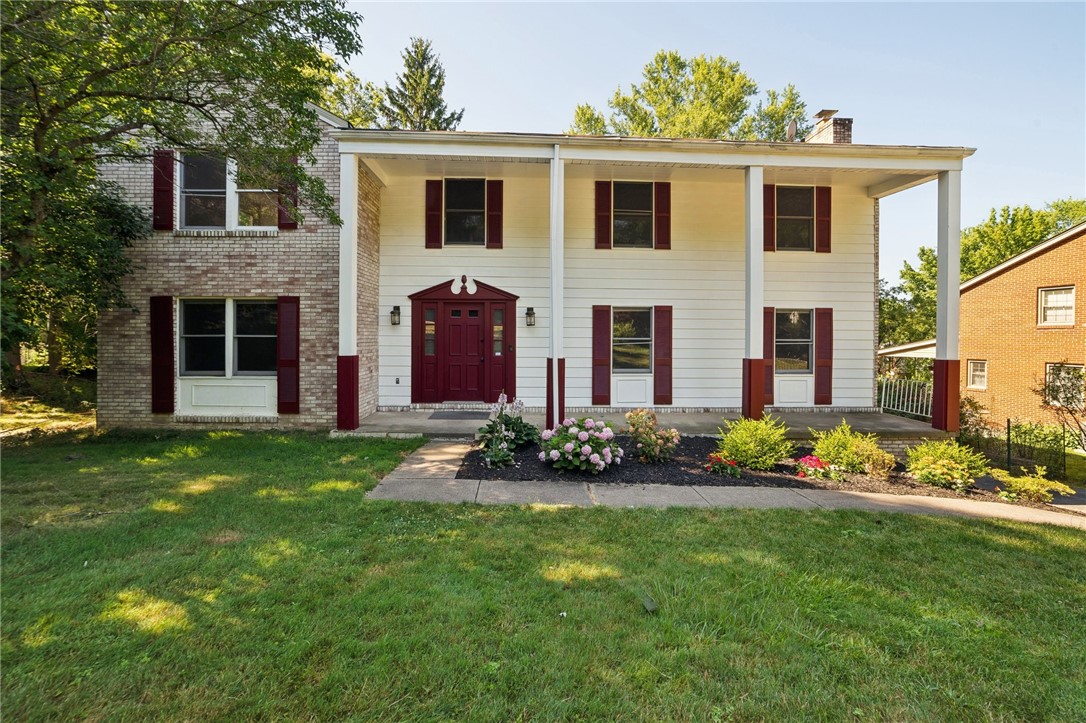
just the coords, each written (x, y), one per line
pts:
(465, 211)
(1056, 306)
(632, 215)
(1068, 379)
(795, 218)
(978, 374)
(793, 341)
(228, 337)
(631, 341)
(212, 199)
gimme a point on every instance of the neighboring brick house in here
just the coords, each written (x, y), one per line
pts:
(1017, 320)
(1020, 318)
(577, 273)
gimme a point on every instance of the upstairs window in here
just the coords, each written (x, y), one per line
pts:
(1056, 306)
(631, 341)
(212, 199)
(794, 344)
(465, 211)
(795, 218)
(632, 215)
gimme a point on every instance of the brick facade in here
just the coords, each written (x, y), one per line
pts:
(999, 324)
(302, 262)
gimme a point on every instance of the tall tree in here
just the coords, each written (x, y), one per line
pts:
(357, 102)
(417, 102)
(699, 97)
(85, 81)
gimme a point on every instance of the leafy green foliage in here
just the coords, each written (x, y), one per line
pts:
(417, 101)
(92, 81)
(699, 97)
(357, 102)
(1032, 487)
(1064, 392)
(651, 443)
(718, 464)
(505, 432)
(755, 444)
(946, 463)
(851, 451)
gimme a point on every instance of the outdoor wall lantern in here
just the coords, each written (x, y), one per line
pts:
(529, 316)
(395, 316)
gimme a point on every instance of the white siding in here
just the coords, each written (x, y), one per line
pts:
(701, 277)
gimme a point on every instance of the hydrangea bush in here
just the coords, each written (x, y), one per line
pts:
(583, 444)
(506, 431)
(653, 444)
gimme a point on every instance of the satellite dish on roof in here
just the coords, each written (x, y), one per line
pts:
(791, 130)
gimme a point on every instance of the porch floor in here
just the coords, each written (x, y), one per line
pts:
(418, 423)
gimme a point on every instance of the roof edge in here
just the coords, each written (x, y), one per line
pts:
(1068, 235)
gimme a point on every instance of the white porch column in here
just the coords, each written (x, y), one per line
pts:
(753, 357)
(556, 357)
(347, 361)
(946, 388)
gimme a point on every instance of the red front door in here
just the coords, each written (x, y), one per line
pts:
(463, 346)
(463, 367)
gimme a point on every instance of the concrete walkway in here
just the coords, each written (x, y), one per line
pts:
(429, 475)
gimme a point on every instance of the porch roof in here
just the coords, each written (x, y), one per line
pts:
(881, 169)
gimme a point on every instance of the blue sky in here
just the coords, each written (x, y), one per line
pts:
(1008, 79)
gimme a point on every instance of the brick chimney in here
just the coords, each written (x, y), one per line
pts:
(830, 129)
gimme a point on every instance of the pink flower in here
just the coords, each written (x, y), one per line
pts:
(589, 424)
(542, 457)
(573, 430)
(547, 434)
(555, 454)
(568, 447)
(586, 450)
(568, 422)
(583, 436)
(594, 459)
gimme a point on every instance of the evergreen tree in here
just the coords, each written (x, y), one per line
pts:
(416, 103)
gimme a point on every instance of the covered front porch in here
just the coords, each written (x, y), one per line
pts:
(462, 424)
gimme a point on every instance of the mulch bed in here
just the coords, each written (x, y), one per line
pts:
(687, 467)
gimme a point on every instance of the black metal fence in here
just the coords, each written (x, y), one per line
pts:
(1023, 446)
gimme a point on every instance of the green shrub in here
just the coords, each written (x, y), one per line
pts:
(946, 464)
(1032, 487)
(755, 444)
(849, 451)
(651, 443)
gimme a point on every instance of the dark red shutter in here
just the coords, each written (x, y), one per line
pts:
(823, 391)
(769, 337)
(603, 214)
(601, 354)
(769, 217)
(162, 354)
(162, 193)
(433, 214)
(663, 215)
(822, 219)
(287, 355)
(288, 199)
(661, 355)
(493, 214)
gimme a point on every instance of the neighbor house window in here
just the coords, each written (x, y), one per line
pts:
(1056, 306)
(795, 218)
(978, 374)
(228, 337)
(632, 215)
(794, 341)
(1068, 380)
(465, 211)
(631, 341)
(211, 197)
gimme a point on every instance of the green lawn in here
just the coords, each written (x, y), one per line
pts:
(228, 576)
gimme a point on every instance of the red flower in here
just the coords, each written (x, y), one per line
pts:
(801, 473)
